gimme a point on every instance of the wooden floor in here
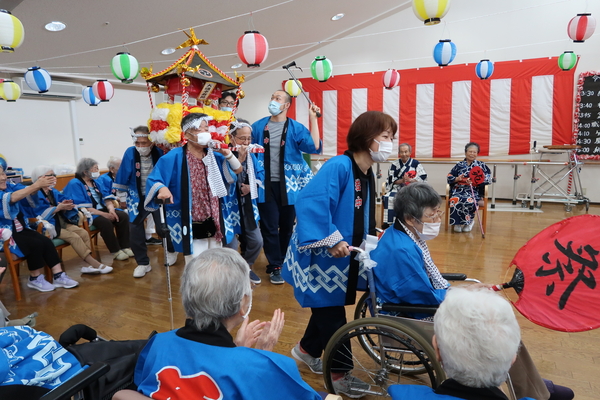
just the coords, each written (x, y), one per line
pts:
(121, 307)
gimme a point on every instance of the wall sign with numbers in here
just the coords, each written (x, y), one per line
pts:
(587, 116)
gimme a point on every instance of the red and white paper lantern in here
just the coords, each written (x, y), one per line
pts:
(103, 90)
(252, 48)
(391, 78)
(581, 27)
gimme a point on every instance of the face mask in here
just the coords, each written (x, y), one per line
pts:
(203, 138)
(274, 108)
(385, 149)
(249, 308)
(144, 151)
(230, 109)
(430, 230)
(95, 175)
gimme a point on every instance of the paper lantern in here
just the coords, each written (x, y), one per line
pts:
(321, 68)
(430, 12)
(103, 90)
(567, 60)
(391, 78)
(9, 90)
(38, 79)
(292, 88)
(252, 48)
(125, 67)
(444, 52)
(11, 32)
(89, 97)
(484, 69)
(581, 27)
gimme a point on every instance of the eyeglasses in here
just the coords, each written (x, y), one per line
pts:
(243, 138)
(53, 175)
(436, 214)
(227, 103)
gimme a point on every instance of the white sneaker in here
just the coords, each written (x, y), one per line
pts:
(458, 228)
(102, 269)
(469, 227)
(128, 251)
(40, 283)
(172, 257)
(141, 270)
(120, 255)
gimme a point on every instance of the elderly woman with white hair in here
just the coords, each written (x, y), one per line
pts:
(51, 205)
(202, 359)
(105, 181)
(86, 193)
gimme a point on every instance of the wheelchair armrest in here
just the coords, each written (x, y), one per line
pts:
(454, 277)
(409, 308)
(78, 382)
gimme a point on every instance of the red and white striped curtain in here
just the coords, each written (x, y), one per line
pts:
(439, 110)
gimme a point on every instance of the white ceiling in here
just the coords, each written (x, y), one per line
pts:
(97, 30)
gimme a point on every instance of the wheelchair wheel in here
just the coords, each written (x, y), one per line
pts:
(379, 351)
(410, 366)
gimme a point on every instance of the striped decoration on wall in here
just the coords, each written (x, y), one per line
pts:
(439, 110)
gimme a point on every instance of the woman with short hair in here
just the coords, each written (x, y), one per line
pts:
(86, 194)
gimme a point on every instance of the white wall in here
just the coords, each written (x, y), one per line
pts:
(35, 132)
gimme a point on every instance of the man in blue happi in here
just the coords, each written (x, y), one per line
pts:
(286, 173)
(138, 162)
(194, 179)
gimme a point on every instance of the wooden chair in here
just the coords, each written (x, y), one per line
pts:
(93, 232)
(483, 203)
(13, 264)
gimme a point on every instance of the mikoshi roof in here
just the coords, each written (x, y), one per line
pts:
(195, 64)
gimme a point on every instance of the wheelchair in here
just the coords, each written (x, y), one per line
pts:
(383, 347)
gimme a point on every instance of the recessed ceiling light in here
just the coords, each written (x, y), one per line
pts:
(235, 66)
(167, 51)
(55, 26)
(337, 17)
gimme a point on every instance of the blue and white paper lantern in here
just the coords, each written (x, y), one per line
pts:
(484, 69)
(444, 52)
(38, 79)
(89, 97)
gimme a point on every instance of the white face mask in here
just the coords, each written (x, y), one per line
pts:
(385, 149)
(202, 138)
(95, 175)
(144, 151)
(249, 308)
(430, 230)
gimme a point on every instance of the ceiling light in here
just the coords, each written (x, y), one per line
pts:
(167, 51)
(337, 17)
(55, 26)
(236, 66)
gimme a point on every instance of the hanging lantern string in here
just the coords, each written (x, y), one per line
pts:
(156, 36)
(444, 30)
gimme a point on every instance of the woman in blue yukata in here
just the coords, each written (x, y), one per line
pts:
(462, 203)
(336, 210)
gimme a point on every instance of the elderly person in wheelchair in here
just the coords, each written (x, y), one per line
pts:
(202, 359)
(411, 277)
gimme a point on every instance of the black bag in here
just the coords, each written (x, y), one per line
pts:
(204, 229)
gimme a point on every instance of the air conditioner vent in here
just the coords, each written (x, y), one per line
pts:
(58, 91)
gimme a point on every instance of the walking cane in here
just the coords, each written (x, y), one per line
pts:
(477, 211)
(165, 231)
(477, 176)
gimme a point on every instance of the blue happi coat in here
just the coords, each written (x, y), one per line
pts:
(234, 196)
(34, 358)
(325, 216)
(10, 212)
(167, 173)
(297, 172)
(105, 183)
(462, 203)
(127, 179)
(37, 204)
(76, 191)
(190, 369)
